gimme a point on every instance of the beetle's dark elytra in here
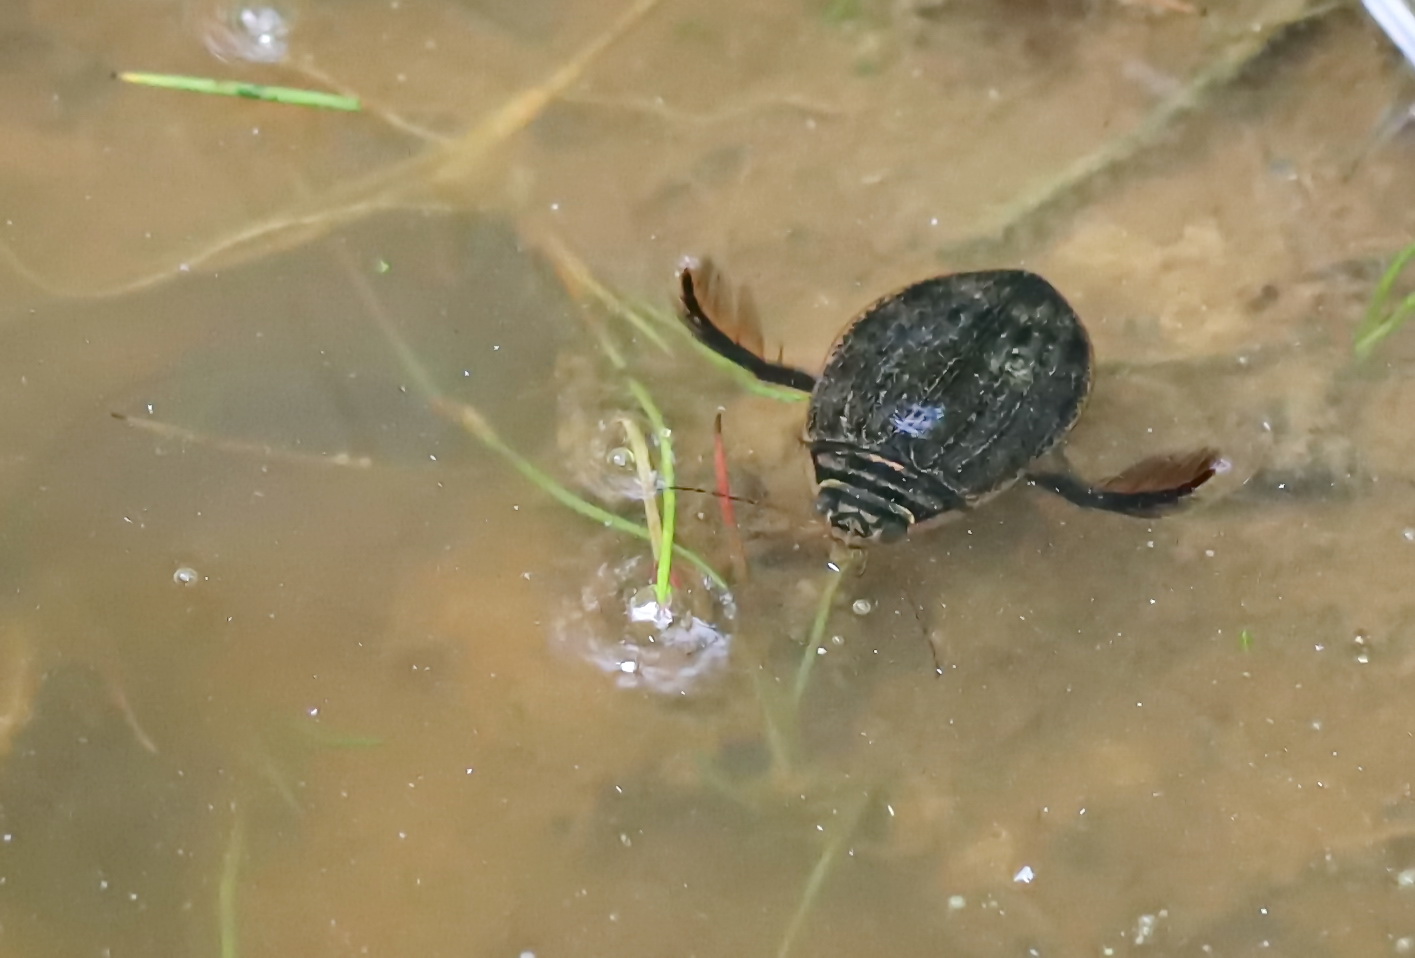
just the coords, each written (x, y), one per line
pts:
(957, 383)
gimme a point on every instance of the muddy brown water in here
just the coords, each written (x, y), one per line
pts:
(304, 669)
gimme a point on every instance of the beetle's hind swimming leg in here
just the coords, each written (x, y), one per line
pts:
(696, 281)
(1149, 488)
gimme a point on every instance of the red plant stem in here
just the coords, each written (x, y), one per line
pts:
(725, 503)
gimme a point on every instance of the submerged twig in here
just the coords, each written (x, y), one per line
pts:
(372, 108)
(725, 504)
(242, 447)
(752, 107)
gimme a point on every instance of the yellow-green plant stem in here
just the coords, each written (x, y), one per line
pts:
(670, 494)
(643, 465)
(817, 637)
(1379, 323)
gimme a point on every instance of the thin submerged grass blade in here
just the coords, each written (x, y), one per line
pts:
(847, 821)
(585, 287)
(817, 637)
(1379, 322)
(226, 915)
(240, 447)
(474, 423)
(779, 722)
(290, 96)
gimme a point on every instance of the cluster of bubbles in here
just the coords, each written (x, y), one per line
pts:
(235, 30)
(618, 625)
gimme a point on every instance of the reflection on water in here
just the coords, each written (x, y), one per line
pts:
(292, 664)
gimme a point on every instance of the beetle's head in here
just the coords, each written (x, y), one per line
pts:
(854, 520)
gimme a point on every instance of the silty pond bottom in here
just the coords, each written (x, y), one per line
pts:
(295, 663)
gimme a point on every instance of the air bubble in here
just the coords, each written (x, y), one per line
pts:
(617, 624)
(186, 575)
(232, 30)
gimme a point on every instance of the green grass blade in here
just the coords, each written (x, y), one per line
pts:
(1374, 331)
(290, 96)
(1377, 323)
(1392, 273)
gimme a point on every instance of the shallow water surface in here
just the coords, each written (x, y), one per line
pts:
(294, 662)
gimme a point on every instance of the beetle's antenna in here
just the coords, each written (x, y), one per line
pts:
(714, 493)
